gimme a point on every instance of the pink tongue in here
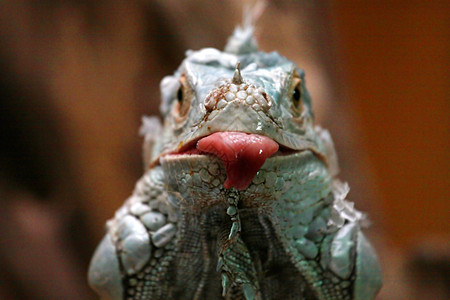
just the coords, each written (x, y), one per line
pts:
(242, 154)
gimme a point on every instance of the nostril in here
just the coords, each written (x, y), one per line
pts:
(210, 102)
(263, 100)
(267, 103)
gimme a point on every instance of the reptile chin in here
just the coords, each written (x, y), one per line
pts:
(242, 154)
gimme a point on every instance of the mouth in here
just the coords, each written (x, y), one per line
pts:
(242, 154)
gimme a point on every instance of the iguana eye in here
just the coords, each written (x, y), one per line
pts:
(184, 98)
(180, 94)
(297, 95)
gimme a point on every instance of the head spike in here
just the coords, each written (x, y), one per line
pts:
(237, 77)
(243, 41)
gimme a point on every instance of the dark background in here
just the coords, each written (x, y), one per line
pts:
(76, 77)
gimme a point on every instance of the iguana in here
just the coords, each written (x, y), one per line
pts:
(239, 199)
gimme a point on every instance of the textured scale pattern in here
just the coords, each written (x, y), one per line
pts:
(288, 234)
(228, 92)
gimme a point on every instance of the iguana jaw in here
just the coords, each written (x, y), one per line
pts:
(201, 178)
(242, 154)
(189, 148)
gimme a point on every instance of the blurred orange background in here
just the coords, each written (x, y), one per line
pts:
(77, 76)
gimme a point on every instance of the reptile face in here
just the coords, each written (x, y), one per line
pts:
(260, 95)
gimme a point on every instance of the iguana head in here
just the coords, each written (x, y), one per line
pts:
(241, 105)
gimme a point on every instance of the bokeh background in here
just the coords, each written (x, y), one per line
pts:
(76, 77)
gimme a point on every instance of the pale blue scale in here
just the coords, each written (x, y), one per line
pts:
(343, 251)
(104, 272)
(153, 220)
(368, 270)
